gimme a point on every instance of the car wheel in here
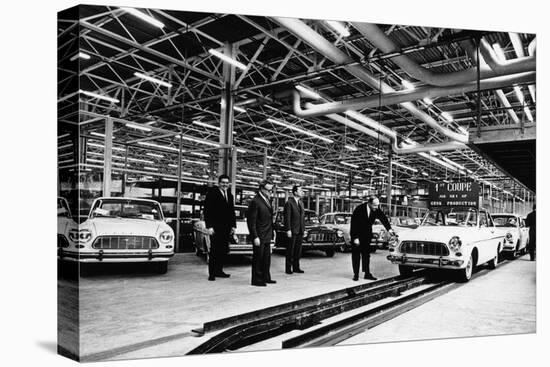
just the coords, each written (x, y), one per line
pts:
(161, 267)
(466, 273)
(330, 253)
(494, 261)
(343, 248)
(405, 270)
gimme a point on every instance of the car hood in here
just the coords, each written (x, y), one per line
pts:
(440, 234)
(125, 226)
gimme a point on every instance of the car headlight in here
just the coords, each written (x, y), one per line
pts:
(393, 241)
(455, 243)
(166, 236)
(80, 236)
(305, 233)
(509, 236)
(340, 233)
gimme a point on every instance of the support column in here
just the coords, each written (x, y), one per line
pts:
(390, 178)
(107, 156)
(317, 204)
(264, 171)
(125, 172)
(178, 197)
(233, 172)
(226, 114)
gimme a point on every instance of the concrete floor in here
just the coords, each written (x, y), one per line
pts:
(127, 312)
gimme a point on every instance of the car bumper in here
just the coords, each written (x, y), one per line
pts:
(242, 249)
(114, 257)
(427, 262)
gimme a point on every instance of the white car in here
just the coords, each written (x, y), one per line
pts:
(121, 230)
(468, 239)
(65, 223)
(516, 235)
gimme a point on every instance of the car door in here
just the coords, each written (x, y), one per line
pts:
(488, 243)
(523, 233)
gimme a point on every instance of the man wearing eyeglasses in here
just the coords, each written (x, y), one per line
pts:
(362, 219)
(219, 215)
(260, 226)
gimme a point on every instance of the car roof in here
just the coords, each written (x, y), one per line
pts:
(505, 214)
(333, 213)
(124, 198)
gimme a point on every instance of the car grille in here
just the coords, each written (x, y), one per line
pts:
(125, 243)
(62, 241)
(424, 248)
(321, 237)
(242, 239)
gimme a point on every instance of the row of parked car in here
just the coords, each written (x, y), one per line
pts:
(135, 230)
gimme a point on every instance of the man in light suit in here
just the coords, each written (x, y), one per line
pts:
(362, 219)
(219, 215)
(294, 225)
(259, 219)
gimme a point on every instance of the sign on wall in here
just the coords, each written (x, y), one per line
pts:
(454, 193)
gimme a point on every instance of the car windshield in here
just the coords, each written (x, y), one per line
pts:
(342, 218)
(504, 221)
(311, 218)
(134, 209)
(461, 217)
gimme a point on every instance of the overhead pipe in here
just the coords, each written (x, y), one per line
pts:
(505, 67)
(380, 40)
(323, 46)
(399, 97)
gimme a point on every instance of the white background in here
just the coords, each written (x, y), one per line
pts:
(28, 181)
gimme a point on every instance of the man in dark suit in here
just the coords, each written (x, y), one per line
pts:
(531, 222)
(219, 215)
(294, 225)
(259, 219)
(362, 219)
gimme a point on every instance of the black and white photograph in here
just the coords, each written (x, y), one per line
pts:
(233, 180)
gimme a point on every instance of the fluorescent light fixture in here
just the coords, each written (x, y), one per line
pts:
(425, 174)
(63, 136)
(135, 159)
(138, 127)
(270, 157)
(298, 150)
(298, 173)
(239, 109)
(369, 170)
(376, 156)
(278, 176)
(308, 92)
(327, 178)
(338, 27)
(358, 177)
(383, 174)
(94, 160)
(158, 146)
(103, 147)
(251, 172)
(153, 80)
(98, 96)
(299, 164)
(453, 163)
(404, 166)
(447, 116)
(407, 85)
(204, 155)
(195, 162)
(328, 185)
(353, 148)
(150, 168)
(428, 101)
(250, 177)
(296, 179)
(206, 125)
(144, 17)
(349, 164)
(265, 141)
(81, 55)
(227, 59)
(295, 128)
(241, 151)
(65, 146)
(499, 52)
(330, 171)
(155, 155)
(195, 140)
(66, 154)
(68, 161)
(398, 186)
(411, 181)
